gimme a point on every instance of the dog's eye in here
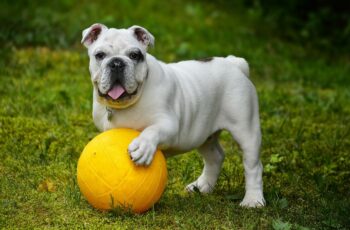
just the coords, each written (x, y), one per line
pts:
(100, 55)
(134, 56)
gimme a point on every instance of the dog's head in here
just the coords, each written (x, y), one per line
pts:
(118, 64)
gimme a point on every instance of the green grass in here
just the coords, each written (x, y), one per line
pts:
(45, 122)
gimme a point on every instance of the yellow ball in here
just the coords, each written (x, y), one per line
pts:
(109, 179)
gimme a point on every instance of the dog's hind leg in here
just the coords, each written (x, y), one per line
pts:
(213, 157)
(246, 131)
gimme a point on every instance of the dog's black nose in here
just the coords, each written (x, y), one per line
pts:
(116, 64)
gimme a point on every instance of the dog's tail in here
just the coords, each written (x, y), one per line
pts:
(241, 63)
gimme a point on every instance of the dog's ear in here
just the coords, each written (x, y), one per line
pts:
(91, 34)
(143, 36)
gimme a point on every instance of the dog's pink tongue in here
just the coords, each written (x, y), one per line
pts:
(116, 91)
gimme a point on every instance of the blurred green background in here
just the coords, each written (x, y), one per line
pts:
(57, 23)
(298, 53)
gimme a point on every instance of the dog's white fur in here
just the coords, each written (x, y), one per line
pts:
(182, 106)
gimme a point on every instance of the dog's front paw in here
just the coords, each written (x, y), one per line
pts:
(201, 185)
(253, 200)
(141, 151)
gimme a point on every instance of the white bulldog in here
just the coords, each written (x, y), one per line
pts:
(178, 106)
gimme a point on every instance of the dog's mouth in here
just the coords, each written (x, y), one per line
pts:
(117, 97)
(117, 92)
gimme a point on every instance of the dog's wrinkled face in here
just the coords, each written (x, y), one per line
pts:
(118, 64)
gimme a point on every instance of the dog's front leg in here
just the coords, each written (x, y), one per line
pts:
(143, 147)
